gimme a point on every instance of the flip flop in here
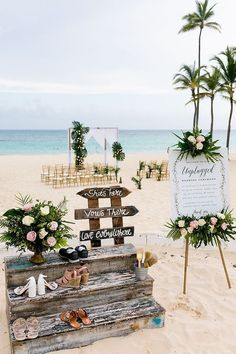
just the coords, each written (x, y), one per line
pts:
(70, 317)
(82, 314)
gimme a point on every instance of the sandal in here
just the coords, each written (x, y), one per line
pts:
(19, 328)
(83, 271)
(70, 317)
(82, 251)
(30, 286)
(32, 327)
(70, 279)
(42, 283)
(82, 314)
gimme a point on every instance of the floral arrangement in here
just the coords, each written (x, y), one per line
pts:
(207, 230)
(38, 227)
(195, 143)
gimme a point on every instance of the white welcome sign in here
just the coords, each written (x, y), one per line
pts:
(198, 186)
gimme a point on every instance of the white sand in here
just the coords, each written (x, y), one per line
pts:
(200, 323)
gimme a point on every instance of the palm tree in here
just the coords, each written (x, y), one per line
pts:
(199, 19)
(228, 74)
(187, 79)
(211, 86)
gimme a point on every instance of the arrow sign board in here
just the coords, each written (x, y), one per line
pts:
(107, 212)
(102, 234)
(107, 192)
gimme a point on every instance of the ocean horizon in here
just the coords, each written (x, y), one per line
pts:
(37, 142)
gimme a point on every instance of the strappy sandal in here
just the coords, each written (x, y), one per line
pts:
(83, 271)
(70, 279)
(71, 318)
(82, 314)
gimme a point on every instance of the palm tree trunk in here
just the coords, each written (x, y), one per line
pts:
(229, 123)
(199, 65)
(212, 114)
(195, 109)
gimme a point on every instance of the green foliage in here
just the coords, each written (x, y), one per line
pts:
(35, 227)
(117, 151)
(137, 180)
(141, 165)
(206, 230)
(195, 143)
(78, 145)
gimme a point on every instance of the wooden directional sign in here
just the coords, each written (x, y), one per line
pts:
(102, 234)
(106, 212)
(106, 192)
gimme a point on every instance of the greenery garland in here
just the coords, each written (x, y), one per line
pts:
(78, 145)
(195, 143)
(207, 230)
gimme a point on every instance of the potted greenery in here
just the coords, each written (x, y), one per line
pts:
(78, 145)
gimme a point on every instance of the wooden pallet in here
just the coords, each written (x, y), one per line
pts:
(116, 302)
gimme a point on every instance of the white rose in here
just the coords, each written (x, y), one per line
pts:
(192, 139)
(44, 210)
(201, 222)
(27, 220)
(190, 230)
(42, 233)
(183, 232)
(221, 216)
(53, 225)
(199, 146)
(181, 223)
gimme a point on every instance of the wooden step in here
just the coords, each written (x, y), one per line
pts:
(100, 260)
(103, 288)
(108, 320)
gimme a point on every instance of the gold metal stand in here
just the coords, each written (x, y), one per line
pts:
(186, 264)
(223, 262)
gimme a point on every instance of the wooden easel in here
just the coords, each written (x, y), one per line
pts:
(186, 264)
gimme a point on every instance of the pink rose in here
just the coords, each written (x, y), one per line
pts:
(194, 224)
(31, 236)
(51, 241)
(27, 207)
(199, 146)
(224, 226)
(200, 139)
(53, 226)
(214, 220)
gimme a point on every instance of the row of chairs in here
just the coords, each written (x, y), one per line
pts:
(154, 169)
(59, 175)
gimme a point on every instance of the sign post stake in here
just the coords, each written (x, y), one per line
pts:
(223, 262)
(186, 264)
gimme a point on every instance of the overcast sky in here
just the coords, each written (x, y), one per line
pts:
(103, 62)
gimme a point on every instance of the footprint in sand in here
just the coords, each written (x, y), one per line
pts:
(183, 303)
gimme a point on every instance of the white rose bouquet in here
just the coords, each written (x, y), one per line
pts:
(38, 227)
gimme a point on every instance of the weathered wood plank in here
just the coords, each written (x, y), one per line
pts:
(101, 259)
(106, 192)
(102, 234)
(115, 319)
(106, 212)
(104, 288)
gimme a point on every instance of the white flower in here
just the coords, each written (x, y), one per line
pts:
(190, 230)
(200, 139)
(181, 223)
(199, 146)
(44, 210)
(53, 226)
(201, 222)
(220, 216)
(192, 139)
(183, 232)
(42, 233)
(27, 220)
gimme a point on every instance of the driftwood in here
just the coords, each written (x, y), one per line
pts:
(106, 192)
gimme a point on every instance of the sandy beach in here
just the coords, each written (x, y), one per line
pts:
(203, 322)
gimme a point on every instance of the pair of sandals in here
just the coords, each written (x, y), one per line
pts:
(34, 288)
(73, 277)
(25, 328)
(73, 255)
(72, 317)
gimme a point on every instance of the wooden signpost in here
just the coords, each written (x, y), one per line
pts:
(116, 211)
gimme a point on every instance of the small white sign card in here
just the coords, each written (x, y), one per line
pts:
(198, 186)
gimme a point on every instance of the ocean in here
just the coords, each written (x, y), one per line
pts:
(27, 142)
